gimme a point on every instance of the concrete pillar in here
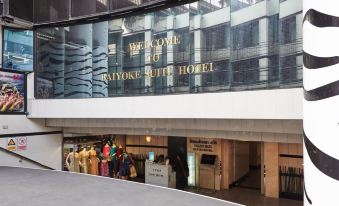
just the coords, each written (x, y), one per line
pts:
(226, 168)
(262, 171)
(271, 164)
(321, 100)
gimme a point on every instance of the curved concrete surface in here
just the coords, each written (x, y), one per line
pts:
(33, 187)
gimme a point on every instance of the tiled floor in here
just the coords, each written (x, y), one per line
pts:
(250, 197)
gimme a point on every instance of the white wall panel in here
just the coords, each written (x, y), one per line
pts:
(261, 104)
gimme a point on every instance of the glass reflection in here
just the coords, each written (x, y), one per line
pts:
(168, 51)
(18, 49)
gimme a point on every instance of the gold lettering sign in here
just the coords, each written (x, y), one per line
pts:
(159, 72)
(136, 46)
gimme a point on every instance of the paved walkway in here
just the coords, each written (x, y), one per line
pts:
(31, 187)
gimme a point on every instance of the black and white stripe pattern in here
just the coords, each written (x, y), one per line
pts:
(321, 104)
(76, 67)
(100, 59)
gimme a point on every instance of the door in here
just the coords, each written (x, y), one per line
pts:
(177, 153)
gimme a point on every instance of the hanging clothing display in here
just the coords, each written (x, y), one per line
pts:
(72, 162)
(125, 166)
(84, 161)
(104, 168)
(94, 162)
(106, 151)
(111, 163)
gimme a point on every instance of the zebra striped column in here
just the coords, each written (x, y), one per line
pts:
(321, 102)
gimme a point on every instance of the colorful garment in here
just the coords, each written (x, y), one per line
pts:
(104, 169)
(106, 151)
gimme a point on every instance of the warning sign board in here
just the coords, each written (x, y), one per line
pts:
(11, 144)
(22, 143)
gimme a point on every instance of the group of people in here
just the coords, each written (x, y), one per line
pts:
(111, 161)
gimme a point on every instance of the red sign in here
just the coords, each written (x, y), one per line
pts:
(22, 143)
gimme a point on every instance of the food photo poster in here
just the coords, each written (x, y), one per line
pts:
(12, 92)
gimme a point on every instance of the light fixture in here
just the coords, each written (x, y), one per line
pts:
(148, 139)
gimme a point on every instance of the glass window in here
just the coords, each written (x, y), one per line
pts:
(183, 49)
(18, 49)
(288, 30)
(239, 4)
(121, 4)
(245, 72)
(216, 37)
(87, 7)
(21, 9)
(51, 10)
(273, 68)
(219, 77)
(207, 6)
(245, 35)
(288, 68)
(273, 28)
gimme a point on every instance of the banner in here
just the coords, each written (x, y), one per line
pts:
(12, 92)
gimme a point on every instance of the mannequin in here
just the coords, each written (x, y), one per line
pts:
(84, 161)
(104, 162)
(94, 170)
(74, 159)
(118, 159)
(88, 148)
(112, 156)
(106, 150)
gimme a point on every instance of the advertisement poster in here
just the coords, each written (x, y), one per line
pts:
(12, 92)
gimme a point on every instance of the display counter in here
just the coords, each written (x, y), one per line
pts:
(159, 174)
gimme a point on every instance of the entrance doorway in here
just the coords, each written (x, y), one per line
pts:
(247, 164)
(177, 153)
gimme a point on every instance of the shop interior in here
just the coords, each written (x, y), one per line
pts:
(187, 163)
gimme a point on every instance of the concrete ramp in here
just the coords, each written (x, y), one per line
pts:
(34, 187)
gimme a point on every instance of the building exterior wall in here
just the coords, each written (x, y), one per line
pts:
(254, 95)
(44, 149)
(263, 104)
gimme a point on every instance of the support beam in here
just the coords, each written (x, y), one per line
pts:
(271, 160)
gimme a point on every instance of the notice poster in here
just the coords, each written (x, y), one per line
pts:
(21, 143)
(12, 92)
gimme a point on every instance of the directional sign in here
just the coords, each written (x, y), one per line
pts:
(11, 144)
(22, 143)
